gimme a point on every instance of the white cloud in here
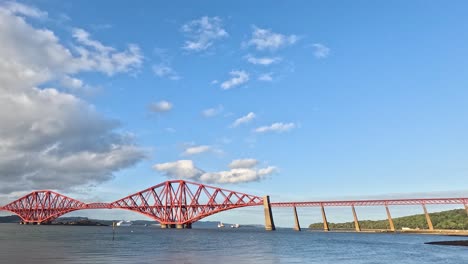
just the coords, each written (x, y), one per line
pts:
(16, 8)
(96, 56)
(238, 78)
(266, 77)
(244, 119)
(243, 164)
(161, 106)
(185, 169)
(164, 71)
(203, 32)
(262, 60)
(194, 150)
(211, 112)
(55, 140)
(276, 127)
(320, 51)
(267, 171)
(265, 39)
(36, 55)
(181, 169)
(72, 83)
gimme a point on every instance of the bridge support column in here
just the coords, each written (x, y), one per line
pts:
(297, 226)
(188, 226)
(163, 226)
(180, 226)
(390, 220)
(428, 218)
(324, 217)
(269, 224)
(356, 221)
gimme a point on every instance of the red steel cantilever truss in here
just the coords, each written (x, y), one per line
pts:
(374, 202)
(178, 202)
(170, 202)
(182, 202)
(43, 206)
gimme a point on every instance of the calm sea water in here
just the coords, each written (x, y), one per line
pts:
(73, 244)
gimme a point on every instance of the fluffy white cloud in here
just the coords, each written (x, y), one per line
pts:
(238, 78)
(243, 163)
(161, 106)
(320, 51)
(193, 150)
(21, 9)
(36, 55)
(202, 33)
(210, 112)
(262, 60)
(244, 119)
(265, 39)
(52, 139)
(276, 127)
(72, 83)
(266, 77)
(164, 71)
(181, 169)
(96, 56)
(185, 169)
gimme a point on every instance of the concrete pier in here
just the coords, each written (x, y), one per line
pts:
(390, 220)
(428, 218)
(176, 226)
(297, 226)
(269, 224)
(356, 221)
(324, 217)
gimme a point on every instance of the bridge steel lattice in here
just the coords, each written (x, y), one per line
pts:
(322, 204)
(43, 206)
(180, 203)
(175, 203)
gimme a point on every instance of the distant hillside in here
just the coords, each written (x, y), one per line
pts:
(199, 224)
(453, 219)
(9, 219)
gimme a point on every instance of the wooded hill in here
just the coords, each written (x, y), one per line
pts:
(454, 219)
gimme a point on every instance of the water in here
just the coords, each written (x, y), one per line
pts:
(74, 244)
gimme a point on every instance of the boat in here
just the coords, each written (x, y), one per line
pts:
(220, 225)
(124, 223)
(235, 226)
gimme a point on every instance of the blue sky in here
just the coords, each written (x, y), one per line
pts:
(303, 100)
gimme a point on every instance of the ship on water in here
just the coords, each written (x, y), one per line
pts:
(124, 223)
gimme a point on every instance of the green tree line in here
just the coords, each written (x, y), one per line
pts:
(453, 219)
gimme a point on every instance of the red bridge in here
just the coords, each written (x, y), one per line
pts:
(180, 203)
(172, 203)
